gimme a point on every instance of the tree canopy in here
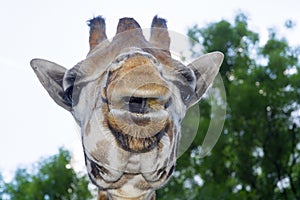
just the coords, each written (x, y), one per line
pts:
(51, 179)
(258, 153)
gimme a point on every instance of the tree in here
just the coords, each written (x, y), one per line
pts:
(1, 187)
(258, 153)
(52, 178)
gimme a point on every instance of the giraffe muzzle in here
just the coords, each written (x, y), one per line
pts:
(138, 100)
(135, 84)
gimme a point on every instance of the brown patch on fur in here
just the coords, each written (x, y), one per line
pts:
(103, 95)
(135, 61)
(152, 196)
(171, 131)
(105, 109)
(102, 195)
(129, 64)
(87, 129)
(99, 155)
(122, 181)
(143, 185)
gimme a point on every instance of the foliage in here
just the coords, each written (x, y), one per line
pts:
(258, 153)
(51, 179)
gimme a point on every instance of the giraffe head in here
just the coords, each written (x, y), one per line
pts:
(128, 97)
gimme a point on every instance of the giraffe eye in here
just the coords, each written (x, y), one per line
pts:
(69, 94)
(187, 74)
(68, 85)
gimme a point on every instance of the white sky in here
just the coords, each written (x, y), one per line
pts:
(32, 125)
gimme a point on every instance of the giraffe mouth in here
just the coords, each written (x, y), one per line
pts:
(137, 105)
(139, 127)
(134, 143)
(144, 105)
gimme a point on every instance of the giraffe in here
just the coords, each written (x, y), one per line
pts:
(128, 97)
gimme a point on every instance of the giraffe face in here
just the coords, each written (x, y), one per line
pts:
(130, 116)
(128, 97)
(131, 127)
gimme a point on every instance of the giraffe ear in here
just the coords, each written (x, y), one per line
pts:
(206, 68)
(51, 76)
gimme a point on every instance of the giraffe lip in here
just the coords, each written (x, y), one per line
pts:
(129, 117)
(137, 140)
(139, 125)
